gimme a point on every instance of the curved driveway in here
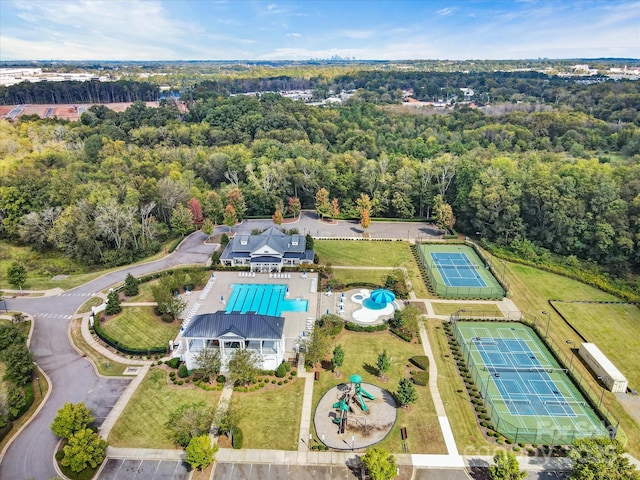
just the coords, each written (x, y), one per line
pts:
(73, 377)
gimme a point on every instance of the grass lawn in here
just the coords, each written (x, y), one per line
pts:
(42, 267)
(607, 325)
(144, 292)
(105, 366)
(531, 289)
(271, 419)
(353, 275)
(138, 327)
(460, 412)
(361, 353)
(141, 424)
(351, 253)
(92, 302)
(480, 309)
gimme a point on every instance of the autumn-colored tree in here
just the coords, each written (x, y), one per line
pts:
(363, 206)
(236, 200)
(294, 206)
(334, 209)
(196, 211)
(443, 214)
(323, 206)
(277, 217)
(230, 217)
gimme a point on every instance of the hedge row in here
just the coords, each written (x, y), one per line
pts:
(402, 335)
(352, 327)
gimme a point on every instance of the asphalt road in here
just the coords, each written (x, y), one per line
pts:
(30, 456)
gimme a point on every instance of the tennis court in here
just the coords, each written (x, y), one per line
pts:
(456, 271)
(528, 395)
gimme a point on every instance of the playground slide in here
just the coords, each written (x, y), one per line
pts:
(363, 405)
(366, 394)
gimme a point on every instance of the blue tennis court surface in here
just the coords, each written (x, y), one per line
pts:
(523, 383)
(263, 299)
(457, 270)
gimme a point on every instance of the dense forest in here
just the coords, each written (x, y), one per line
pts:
(106, 189)
(78, 92)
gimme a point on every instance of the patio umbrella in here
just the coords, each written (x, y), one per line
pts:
(382, 296)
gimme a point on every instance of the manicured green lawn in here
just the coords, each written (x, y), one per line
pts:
(144, 292)
(363, 253)
(353, 275)
(613, 328)
(142, 423)
(271, 419)
(479, 309)
(138, 327)
(371, 254)
(361, 353)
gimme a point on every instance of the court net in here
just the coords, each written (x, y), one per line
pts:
(493, 369)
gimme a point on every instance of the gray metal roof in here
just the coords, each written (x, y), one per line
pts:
(241, 245)
(245, 325)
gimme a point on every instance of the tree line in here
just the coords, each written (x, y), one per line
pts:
(107, 189)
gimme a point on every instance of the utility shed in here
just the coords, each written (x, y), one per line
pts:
(602, 366)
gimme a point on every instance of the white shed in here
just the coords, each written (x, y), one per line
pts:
(602, 366)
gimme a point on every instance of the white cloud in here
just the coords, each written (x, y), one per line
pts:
(445, 12)
(296, 35)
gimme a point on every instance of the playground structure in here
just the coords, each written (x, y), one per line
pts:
(357, 427)
(343, 404)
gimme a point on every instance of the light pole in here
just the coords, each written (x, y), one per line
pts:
(573, 345)
(480, 235)
(457, 313)
(602, 394)
(544, 312)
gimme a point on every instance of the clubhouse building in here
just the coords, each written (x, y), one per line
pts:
(268, 252)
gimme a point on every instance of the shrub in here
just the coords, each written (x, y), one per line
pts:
(166, 317)
(237, 439)
(420, 361)
(173, 363)
(402, 335)
(293, 373)
(221, 379)
(281, 371)
(421, 378)
(182, 371)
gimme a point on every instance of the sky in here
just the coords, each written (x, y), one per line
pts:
(305, 29)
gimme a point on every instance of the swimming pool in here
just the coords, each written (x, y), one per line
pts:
(263, 299)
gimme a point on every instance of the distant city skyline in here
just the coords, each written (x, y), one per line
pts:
(301, 30)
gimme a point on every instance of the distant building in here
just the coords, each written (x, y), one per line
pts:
(268, 252)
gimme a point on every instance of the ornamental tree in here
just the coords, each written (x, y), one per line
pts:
(506, 467)
(379, 464)
(189, 420)
(131, 286)
(71, 418)
(338, 357)
(406, 393)
(85, 448)
(200, 452)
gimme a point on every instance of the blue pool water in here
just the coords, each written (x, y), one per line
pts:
(263, 299)
(371, 305)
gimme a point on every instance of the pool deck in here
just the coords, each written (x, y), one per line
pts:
(300, 286)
